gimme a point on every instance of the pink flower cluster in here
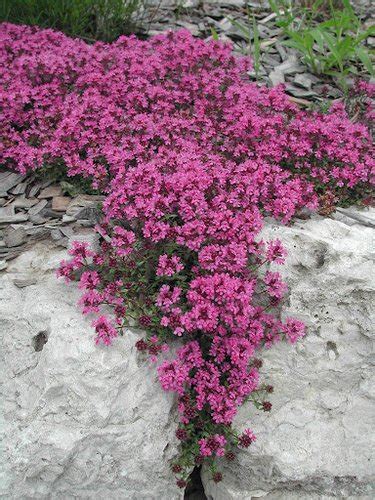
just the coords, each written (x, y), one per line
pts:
(105, 331)
(191, 157)
(168, 266)
(246, 438)
(170, 102)
(214, 445)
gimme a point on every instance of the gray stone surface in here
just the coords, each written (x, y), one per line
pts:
(8, 180)
(14, 236)
(79, 421)
(318, 440)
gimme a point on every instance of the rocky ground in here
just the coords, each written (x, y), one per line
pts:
(32, 210)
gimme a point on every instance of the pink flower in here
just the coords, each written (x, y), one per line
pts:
(276, 252)
(293, 329)
(168, 266)
(105, 331)
(89, 280)
(246, 438)
(80, 250)
(214, 445)
(91, 301)
(275, 286)
(173, 375)
(66, 270)
(168, 297)
(123, 241)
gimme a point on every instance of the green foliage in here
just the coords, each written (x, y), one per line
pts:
(328, 34)
(214, 34)
(333, 46)
(88, 19)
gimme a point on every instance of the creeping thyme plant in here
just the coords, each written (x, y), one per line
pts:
(191, 158)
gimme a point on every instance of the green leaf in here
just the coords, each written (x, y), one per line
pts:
(352, 69)
(274, 7)
(347, 6)
(214, 34)
(296, 45)
(331, 23)
(345, 48)
(331, 42)
(69, 189)
(365, 34)
(364, 57)
(319, 38)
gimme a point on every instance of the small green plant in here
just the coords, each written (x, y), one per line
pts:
(214, 34)
(334, 46)
(88, 19)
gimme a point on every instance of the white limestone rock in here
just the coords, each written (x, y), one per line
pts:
(318, 441)
(80, 421)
